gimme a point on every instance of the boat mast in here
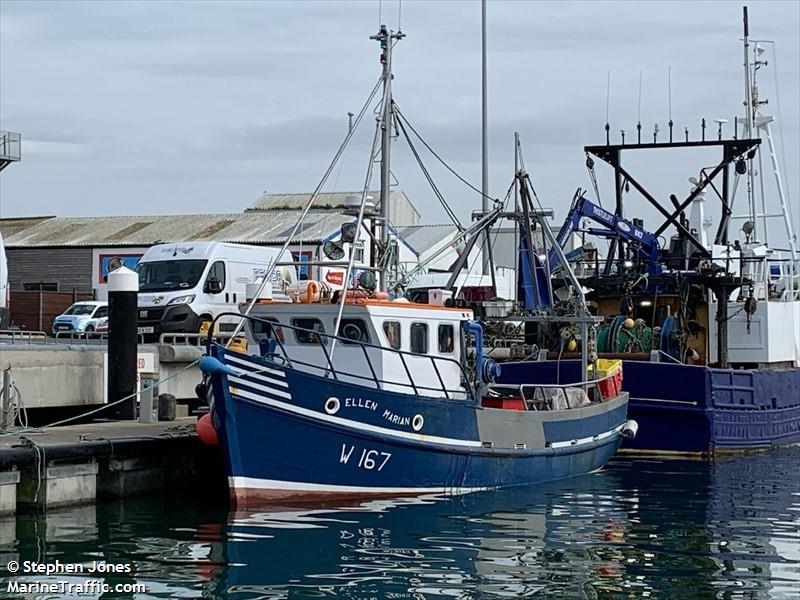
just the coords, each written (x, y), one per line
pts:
(386, 38)
(484, 141)
(749, 119)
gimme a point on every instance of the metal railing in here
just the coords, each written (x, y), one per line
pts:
(769, 285)
(22, 336)
(10, 146)
(192, 339)
(274, 331)
(543, 396)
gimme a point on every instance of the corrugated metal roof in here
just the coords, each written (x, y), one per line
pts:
(11, 225)
(250, 227)
(423, 237)
(402, 211)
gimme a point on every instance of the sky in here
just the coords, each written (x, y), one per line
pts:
(198, 107)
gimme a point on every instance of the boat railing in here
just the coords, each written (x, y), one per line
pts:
(772, 278)
(558, 396)
(274, 332)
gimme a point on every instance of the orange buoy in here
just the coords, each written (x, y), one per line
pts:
(206, 431)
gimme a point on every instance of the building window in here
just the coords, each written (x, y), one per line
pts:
(445, 338)
(392, 331)
(307, 337)
(353, 330)
(419, 338)
(40, 287)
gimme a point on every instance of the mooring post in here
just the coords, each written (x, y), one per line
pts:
(123, 288)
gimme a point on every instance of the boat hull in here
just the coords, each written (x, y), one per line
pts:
(283, 442)
(697, 409)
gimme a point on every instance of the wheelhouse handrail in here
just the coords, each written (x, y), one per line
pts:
(322, 337)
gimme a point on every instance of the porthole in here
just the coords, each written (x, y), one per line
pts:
(417, 422)
(332, 405)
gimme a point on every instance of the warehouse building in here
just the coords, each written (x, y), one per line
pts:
(69, 254)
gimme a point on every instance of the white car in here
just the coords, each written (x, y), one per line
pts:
(80, 317)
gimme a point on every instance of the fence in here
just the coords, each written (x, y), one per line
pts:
(35, 310)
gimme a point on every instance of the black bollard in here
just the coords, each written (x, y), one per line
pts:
(123, 288)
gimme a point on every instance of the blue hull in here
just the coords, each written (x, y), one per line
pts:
(284, 438)
(686, 408)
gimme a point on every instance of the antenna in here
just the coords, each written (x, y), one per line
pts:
(669, 100)
(639, 112)
(400, 16)
(608, 103)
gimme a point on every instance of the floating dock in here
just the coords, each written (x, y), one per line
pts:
(79, 464)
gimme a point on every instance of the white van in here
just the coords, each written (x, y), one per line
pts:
(185, 284)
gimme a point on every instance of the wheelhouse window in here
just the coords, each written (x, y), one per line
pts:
(445, 338)
(266, 330)
(392, 331)
(419, 338)
(353, 330)
(307, 334)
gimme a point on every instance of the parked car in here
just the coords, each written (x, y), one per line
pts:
(80, 317)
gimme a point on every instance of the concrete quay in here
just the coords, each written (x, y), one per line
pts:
(81, 464)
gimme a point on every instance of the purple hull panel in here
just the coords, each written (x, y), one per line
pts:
(684, 408)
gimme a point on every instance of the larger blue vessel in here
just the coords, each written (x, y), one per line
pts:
(707, 326)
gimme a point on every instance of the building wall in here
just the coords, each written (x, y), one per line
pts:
(68, 268)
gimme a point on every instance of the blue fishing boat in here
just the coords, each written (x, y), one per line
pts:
(397, 414)
(356, 391)
(707, 327)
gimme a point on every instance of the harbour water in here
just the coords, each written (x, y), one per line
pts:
(640, 528)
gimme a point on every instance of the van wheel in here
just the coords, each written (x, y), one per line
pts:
(89, 328)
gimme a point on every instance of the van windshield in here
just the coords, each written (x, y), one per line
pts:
(169, 275)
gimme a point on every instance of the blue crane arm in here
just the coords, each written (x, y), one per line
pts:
(613, 225)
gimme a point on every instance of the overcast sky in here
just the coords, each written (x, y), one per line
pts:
(192, 107)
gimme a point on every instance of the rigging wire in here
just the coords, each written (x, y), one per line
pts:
(425, 172)
(268, 275)
(491, 244)
(441, 160)
(780, 126)
(359, 222)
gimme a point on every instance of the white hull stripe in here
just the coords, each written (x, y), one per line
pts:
(237, 381)
(255, 370)
(253, 483)
(408, 435)
(587, 440)
(419, 437)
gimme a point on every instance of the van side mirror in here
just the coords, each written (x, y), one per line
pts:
(213, 286)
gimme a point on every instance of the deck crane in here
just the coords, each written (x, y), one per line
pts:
(613, 226)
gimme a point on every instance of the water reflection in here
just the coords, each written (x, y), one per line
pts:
(638, 529)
